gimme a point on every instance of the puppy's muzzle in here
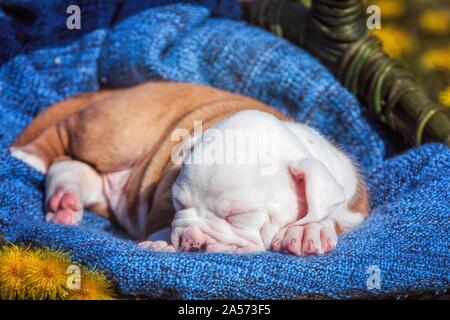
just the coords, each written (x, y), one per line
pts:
(193, 240)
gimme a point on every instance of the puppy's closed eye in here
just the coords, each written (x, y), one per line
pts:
(247, 217)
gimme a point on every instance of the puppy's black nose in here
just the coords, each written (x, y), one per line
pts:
(195, 248)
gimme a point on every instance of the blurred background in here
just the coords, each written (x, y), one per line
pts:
(417, 33)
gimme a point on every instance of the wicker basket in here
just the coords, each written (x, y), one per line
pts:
(335, 32)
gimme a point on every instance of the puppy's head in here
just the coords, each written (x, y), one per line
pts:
(235, 192)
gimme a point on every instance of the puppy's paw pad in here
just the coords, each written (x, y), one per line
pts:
(70, 201)
(64, 207)
(65, 217)
(64, 199)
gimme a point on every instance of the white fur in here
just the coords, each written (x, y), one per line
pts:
(114, 183)
(76, 174)
(77, 178)
(31, 160)
(210, 193)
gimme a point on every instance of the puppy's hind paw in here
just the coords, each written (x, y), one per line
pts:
(64, 207)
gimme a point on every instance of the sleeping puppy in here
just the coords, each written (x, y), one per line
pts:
(189, 167)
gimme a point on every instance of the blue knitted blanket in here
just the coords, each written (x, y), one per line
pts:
(402, 247)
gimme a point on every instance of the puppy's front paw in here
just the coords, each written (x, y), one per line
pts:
(312, 238)
(157, 245)
(64, 207)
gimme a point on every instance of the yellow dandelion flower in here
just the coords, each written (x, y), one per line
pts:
(94, 286)
(435, 21)
(396, 41)
(390, 8)
(47, 275)
(444, 96)
(13, 264)
(436, 59)
(43, 274)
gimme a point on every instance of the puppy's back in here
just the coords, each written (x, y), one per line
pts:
(58, 112)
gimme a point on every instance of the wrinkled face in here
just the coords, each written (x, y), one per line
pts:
(230, 207)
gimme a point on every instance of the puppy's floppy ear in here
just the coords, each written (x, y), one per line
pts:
(322, 192)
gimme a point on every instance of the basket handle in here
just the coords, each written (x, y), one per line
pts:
(335, 32)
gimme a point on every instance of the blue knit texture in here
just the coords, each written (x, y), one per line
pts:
(122, 43)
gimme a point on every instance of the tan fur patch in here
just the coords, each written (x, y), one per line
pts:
(360, 201)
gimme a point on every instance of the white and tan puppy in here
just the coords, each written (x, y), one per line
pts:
(248, 179)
